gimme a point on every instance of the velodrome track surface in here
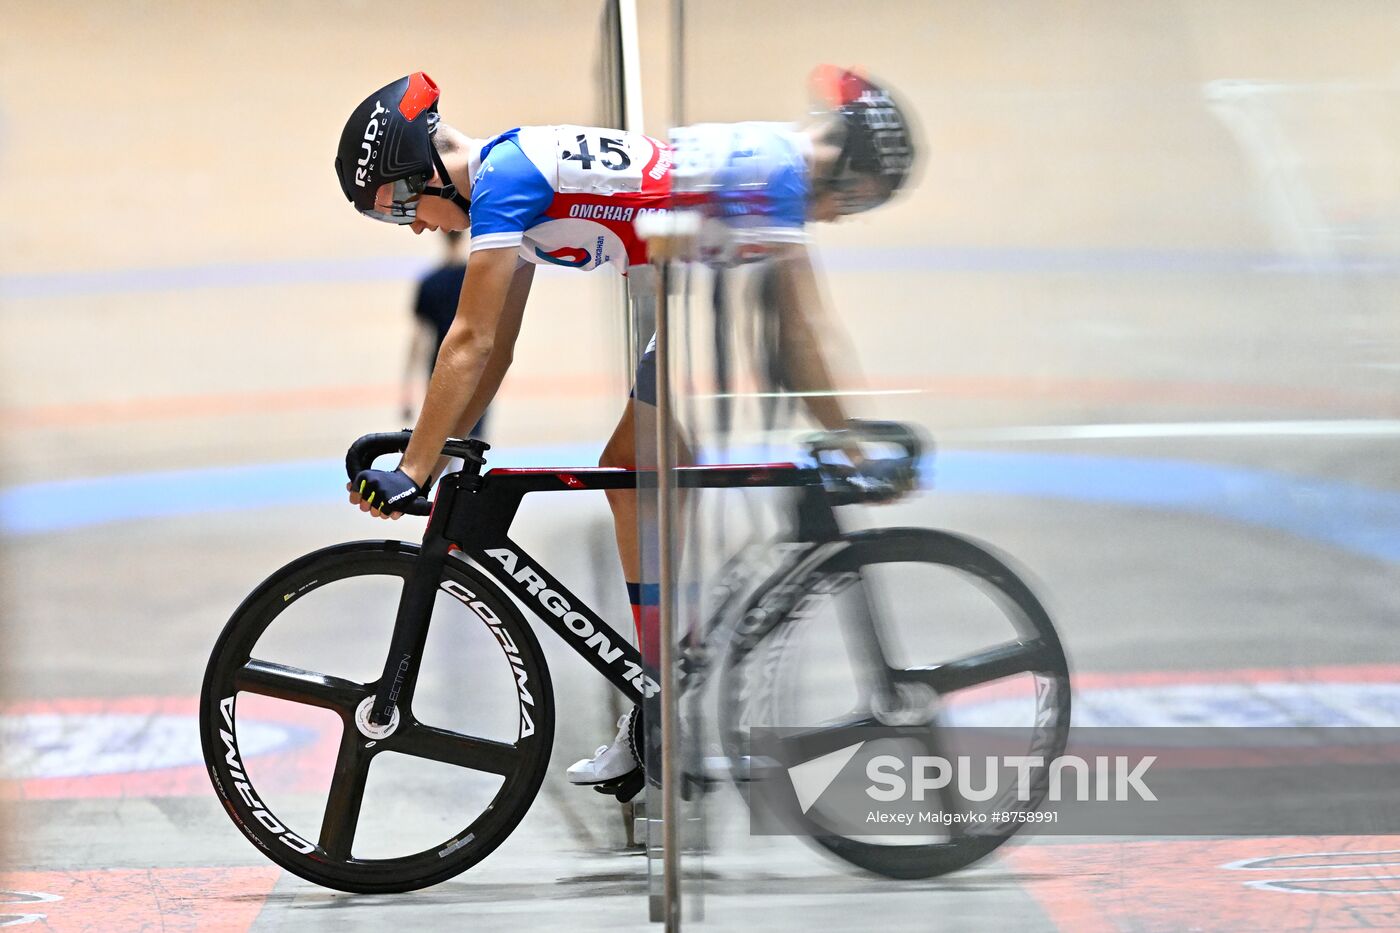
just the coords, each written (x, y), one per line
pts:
(1170, 395)
(1219, 562)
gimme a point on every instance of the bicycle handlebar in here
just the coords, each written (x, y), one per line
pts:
(876, 480)
(363, 452)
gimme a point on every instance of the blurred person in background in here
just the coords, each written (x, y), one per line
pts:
(434, 307)
(570, 196)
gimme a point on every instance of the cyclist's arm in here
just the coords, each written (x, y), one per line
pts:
(503, 352)
(466, 352)
(803, 311)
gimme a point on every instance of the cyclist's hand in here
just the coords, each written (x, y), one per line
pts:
(883, 480)
(377, 491)
(863, 477)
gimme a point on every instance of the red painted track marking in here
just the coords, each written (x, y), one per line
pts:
(978, 388)
(173, 900)
(320, 398)
(300, 768)
(1180, 884)
(1343, 673)
(1083, 681)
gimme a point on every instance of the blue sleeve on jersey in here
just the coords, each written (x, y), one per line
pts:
(764, 181)
(787, 196)
(508, 194)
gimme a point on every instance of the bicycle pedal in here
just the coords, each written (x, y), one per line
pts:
(623, 788)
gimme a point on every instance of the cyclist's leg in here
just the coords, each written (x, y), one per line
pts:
(621, 452)
(634, 520)
(634, 517)
(636, 527)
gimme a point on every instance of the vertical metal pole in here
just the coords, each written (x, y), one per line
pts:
(629, 116)
(666, 500)
(678, 62)
(631, 84)
(666, 503)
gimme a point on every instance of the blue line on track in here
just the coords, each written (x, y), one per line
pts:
(1355, 518)
(210, 275)
(1358, 519)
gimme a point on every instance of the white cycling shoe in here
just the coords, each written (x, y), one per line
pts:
(611, 761)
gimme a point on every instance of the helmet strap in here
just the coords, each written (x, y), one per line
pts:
(447, 192)
(838, 166)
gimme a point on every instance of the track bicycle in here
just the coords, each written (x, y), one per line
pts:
(467, 574)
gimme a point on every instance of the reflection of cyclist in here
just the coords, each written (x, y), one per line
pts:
(434, 307)
(568, 196)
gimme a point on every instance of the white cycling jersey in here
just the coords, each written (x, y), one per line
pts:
(569, 195)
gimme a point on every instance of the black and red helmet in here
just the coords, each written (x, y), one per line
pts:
(388, 140)
(877, 140)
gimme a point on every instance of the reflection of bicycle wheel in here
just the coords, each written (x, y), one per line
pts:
(907, 628)
(330, 797)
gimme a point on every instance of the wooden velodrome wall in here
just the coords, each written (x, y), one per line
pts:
(168, 136)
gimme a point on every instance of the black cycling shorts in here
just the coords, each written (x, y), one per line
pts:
(644, 386)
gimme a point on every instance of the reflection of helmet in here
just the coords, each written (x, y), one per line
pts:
(388, 140)
(877, 140)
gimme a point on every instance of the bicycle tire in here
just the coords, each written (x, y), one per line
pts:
(912, 545)
(228, 673)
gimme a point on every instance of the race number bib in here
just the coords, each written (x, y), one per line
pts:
(599, 161)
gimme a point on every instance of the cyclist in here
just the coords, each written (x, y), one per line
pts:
(569, 196)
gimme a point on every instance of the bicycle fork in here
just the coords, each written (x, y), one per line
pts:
(396, 684)
(405, 658)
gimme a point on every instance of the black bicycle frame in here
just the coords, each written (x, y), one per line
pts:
(473, 513)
